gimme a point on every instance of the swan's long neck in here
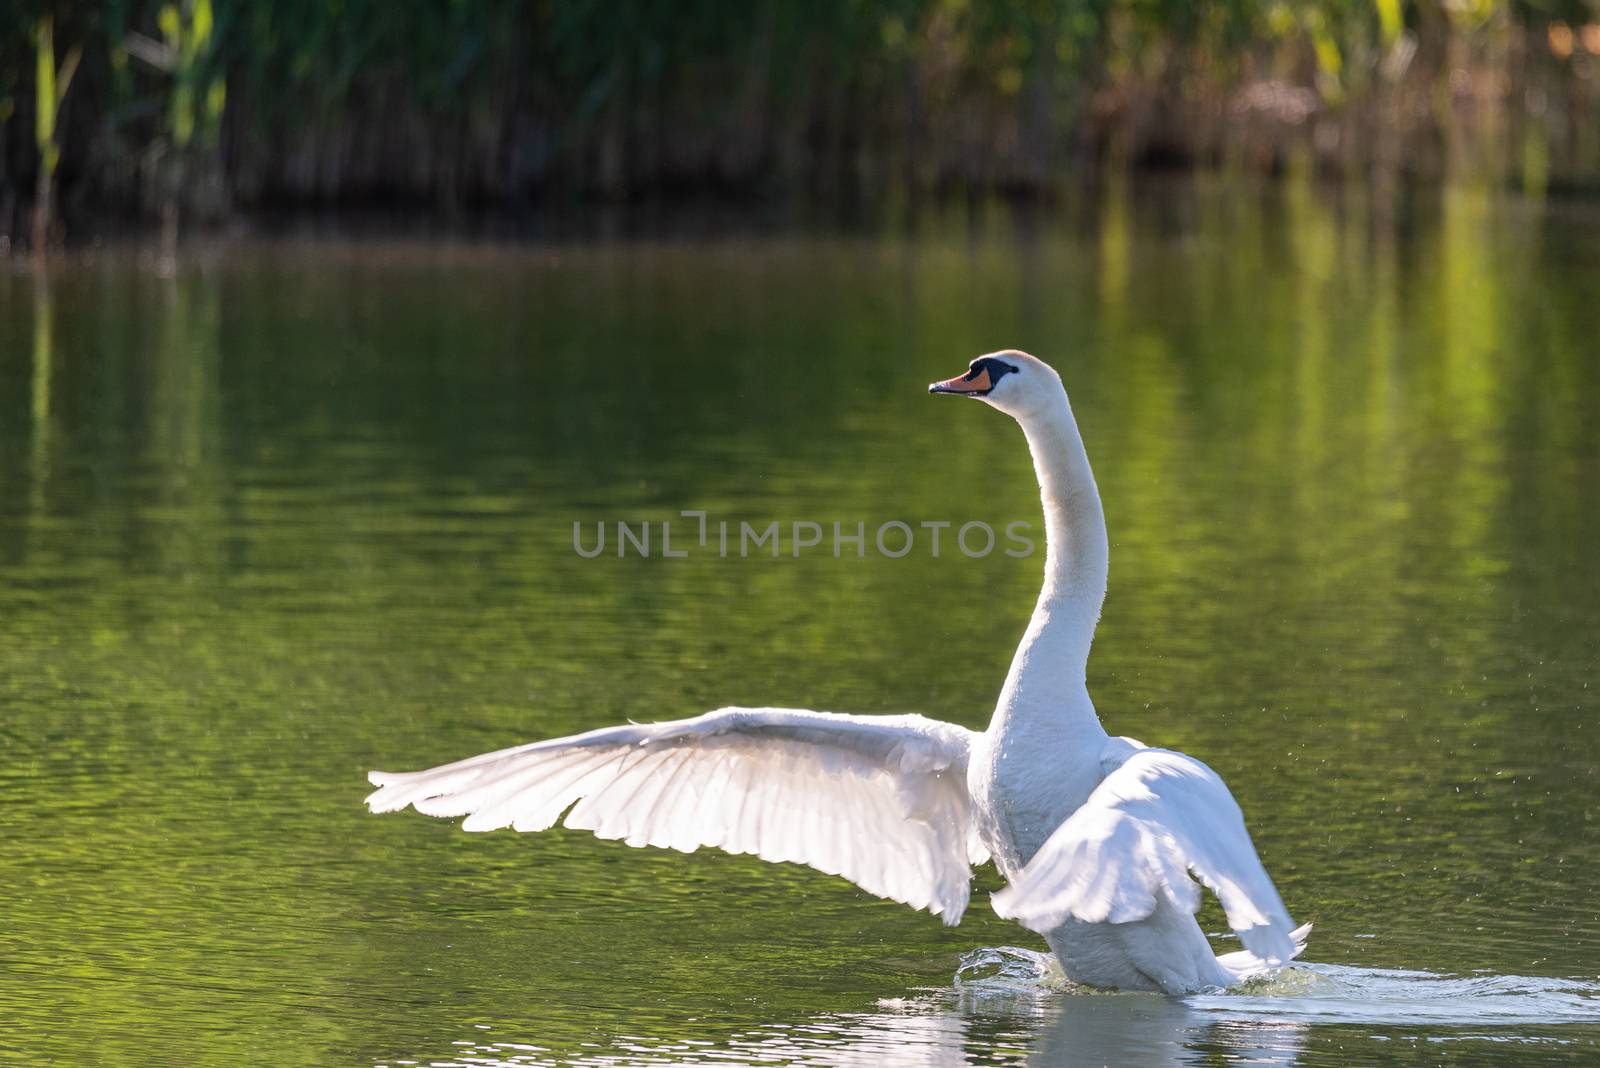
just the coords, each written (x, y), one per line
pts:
(1047, 681)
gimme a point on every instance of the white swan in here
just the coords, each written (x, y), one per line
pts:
(1096, 835)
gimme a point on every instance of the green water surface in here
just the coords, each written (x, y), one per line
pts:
(289, 510)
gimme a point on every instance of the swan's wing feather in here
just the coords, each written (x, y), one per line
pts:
(1146, 826)
(880, 800)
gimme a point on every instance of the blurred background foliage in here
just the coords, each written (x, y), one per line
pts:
(199, 108)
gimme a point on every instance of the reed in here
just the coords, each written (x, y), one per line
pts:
(50, 91)
(241, 104)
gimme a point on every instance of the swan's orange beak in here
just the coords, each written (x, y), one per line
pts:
(974, 381)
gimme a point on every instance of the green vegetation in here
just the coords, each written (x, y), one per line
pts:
(203, 105)
(50, 89)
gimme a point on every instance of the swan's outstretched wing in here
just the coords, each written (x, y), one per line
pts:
(1146, 826)
(880, 800)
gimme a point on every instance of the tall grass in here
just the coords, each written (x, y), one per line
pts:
(201, 106)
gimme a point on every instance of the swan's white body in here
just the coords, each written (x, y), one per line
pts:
(1096, 835)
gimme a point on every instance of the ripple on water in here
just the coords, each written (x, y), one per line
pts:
(1012, 1006)
(1332, 993)
(1320, 993)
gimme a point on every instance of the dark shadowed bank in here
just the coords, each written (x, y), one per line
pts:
(197, 109)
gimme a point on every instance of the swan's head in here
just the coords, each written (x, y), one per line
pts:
(1016, 383)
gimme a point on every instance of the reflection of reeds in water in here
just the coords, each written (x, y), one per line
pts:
(310, 506)
(39, 397)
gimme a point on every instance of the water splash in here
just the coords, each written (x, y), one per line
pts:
(1316, 993)
(1332, 993)
(1012, 969)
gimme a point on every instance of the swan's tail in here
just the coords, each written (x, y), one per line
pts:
(1246, 965)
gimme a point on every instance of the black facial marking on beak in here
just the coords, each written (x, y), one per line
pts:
(980, 379)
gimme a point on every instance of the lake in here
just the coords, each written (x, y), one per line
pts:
(293, 508)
